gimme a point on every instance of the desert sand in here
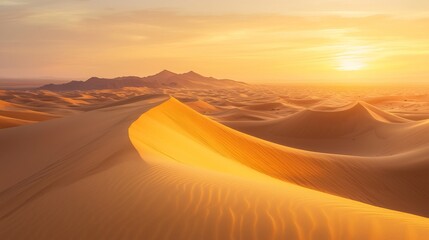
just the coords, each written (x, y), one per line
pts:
(254, 162)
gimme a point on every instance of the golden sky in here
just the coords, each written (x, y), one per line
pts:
(256, 41)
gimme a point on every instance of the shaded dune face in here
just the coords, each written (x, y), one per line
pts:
(377, 181)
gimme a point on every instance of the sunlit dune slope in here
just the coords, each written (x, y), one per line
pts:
(385, 181)
(360, 129)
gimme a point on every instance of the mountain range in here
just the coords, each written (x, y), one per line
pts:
(160, 80)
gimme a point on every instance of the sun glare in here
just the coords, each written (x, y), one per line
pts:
(350, 64)
(352, 58)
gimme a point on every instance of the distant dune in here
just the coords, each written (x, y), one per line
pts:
(358, 129)
(202, 106)
(12, 115)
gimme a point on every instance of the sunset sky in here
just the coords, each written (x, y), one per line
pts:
(248, 40)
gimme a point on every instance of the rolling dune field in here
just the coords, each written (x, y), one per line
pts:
(189, 164)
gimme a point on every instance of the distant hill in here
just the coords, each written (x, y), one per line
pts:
(159, 80)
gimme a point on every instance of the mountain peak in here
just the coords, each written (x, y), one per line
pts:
(92, 78)
(165, 72)
(192, 74)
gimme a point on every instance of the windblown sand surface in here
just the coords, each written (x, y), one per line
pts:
(136, 164)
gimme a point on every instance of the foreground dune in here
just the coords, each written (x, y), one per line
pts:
(171, 173)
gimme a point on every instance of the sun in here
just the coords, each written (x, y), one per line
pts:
(350, 64)
(352, 58)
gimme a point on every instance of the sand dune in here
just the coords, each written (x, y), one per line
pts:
(305, 101)
(411, 106)
(7, 122)
(342, 121)
(363, 179)
(266, 106)
(29, 106)
(113, 173)
(357, 129)
(242, 115)
(202, 106)
(12, 115)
